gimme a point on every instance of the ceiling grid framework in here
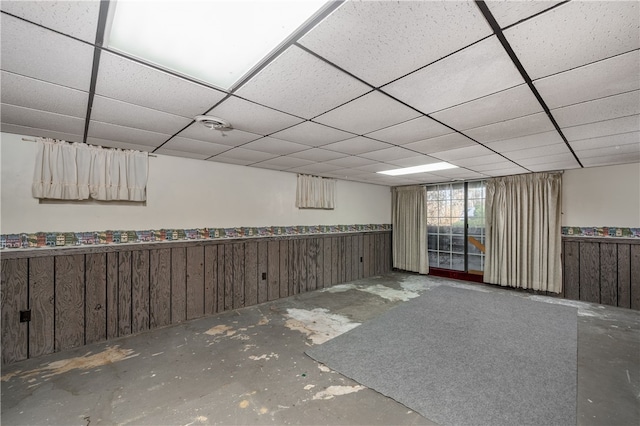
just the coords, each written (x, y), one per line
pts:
(493, 87)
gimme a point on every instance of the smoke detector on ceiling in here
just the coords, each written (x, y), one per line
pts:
(214, 123)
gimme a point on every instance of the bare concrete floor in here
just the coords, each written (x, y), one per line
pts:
(248, 367)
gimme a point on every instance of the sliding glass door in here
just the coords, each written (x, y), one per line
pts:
(455, 226)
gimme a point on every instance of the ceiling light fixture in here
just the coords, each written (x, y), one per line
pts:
(419, 169)
(214, 123)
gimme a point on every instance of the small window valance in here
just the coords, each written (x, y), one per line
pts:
(77, 171)
(314, 192)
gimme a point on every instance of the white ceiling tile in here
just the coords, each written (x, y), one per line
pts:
(497, 165)
(275, 146)
(616, 106)
(129, 115)
(318, 154)
(129, 81)
(282, 163)
(478, 161)
(609, 160)
(441, 143)
(172, 153)
(251, 117)
(607, 141)
(30, 131)
(509, 12)
(312, 134)
(540, 151)
(604, 78)
(36, 94)
(123, 134)
(351, 161)
(603, 128)
(461, 153)
(230, 138)
(298, 83)
(380, 41)
(505, 105)
(347, 173)
(575, 34)
(316, 168)
(417, 160)
(511, 129)
(410, 131)
(42, 54)
(506, 172)
(378, 167)
(550, 166)
(243, 156)
(368, 113)
(459, 173)
(528, 162)
(389, 154)
(427, 178)
(117, 144)
(196, 147)
(76, 18)
(357, 145)
(238, 162)
(523, 142)
(632, 149)
(461, 77)
(11, 114)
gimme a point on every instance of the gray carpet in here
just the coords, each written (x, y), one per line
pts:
(465, 357)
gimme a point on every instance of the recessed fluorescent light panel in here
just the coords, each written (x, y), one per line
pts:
(419, 169)
(216, 42)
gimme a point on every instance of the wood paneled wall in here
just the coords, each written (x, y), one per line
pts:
(83, 295)
(602, 270)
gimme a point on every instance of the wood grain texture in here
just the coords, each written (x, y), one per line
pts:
(41, 303)
(284, 267)
(571, 270)
(178, 284)
(13, 294)
(96, 297)
(355, 257)
(139, 291)
(273, 273)
(312, 263)
(326, 282)
(238, 275)
(609, 274)
(302, 265)
(113, 262)
(160, 287)
(263, 267)
(251, 273)
(210, 279)
(195, 282)
(635, 277)
(624, 276)
(360, 256)
(320, 263)
(228, 277)
(335, 264)
(388, 258)
(590, 272)
(69, 303)
(348, 258)
(124, 293)
(221, 293)
(292, 267)
(366, 255)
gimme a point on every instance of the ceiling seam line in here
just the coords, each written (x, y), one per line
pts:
(523, 73)
(536, 14)
(586, 65)
(102, 23)
(597, 99)
(51, 29)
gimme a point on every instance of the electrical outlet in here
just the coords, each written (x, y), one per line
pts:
(264, 275)
(360, 259)
(25, 316)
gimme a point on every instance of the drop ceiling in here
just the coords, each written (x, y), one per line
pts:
(496, 88)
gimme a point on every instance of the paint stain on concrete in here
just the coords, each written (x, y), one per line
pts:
(389, 293)
(324, 368)
(333, 391)
(243, 404)
(264, 410)
(263, 321)
(308, 387)
(219, 329)
(264, 356)
(340, 288)
(108, 356)
(318, 324)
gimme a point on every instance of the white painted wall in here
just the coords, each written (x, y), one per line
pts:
(602, 196)
(182, 193)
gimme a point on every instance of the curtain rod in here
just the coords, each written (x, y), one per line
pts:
(33, 140)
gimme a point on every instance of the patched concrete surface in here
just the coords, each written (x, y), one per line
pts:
(248, 367)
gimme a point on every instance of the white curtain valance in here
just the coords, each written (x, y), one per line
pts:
(314, 192)
(409, 223)
(77, 171)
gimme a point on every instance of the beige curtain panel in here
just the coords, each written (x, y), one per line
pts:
(314, 192)
(77, 171)
(409, 220)
(523, 235)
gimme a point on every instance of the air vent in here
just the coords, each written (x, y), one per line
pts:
(214, 123)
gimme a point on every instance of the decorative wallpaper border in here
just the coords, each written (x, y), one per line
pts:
(601, 231)
(62, 239)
